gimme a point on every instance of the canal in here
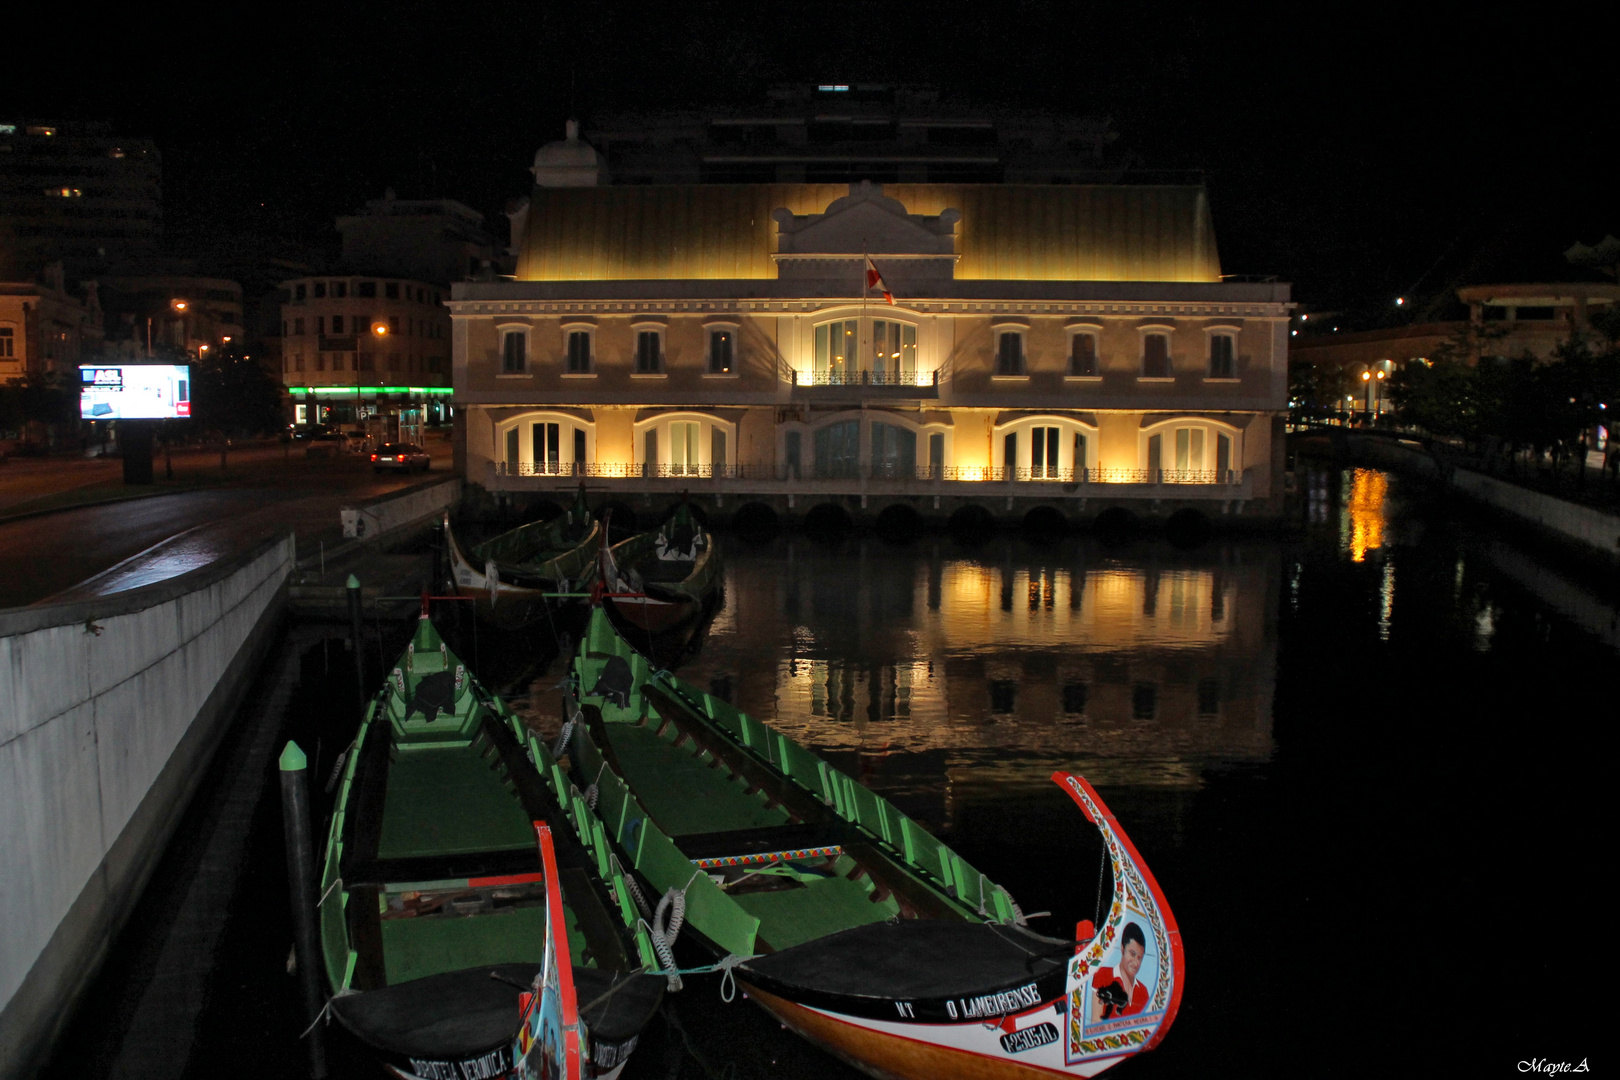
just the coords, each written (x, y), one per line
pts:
(1365, 763)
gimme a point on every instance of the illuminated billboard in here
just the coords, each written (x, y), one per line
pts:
(134, 391)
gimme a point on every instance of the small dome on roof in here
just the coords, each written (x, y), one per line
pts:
(569, 162)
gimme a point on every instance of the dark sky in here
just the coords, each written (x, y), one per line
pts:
(1357, 152)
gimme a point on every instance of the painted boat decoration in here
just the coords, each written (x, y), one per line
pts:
(844, 918)
(440, 923)
(508, 577)
(662, 579)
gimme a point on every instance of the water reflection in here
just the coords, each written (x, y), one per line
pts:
(1363, 525)
(925, 669)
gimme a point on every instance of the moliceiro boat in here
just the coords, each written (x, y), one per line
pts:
(661, 579)
(844, 918)
(508, 578)
(452, 946)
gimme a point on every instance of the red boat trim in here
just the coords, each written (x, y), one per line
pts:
(1177, 958)
(507, 879)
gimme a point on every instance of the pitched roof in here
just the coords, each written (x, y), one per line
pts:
(1008, 232)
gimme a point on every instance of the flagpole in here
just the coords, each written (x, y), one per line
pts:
(866, 287)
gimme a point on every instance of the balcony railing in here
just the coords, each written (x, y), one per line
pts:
(878, 471)
(865, 378)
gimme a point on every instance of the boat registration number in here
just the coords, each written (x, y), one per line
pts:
(1017, 1042)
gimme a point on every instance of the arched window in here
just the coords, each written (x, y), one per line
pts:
(1047, 448)
(546, 444)
(1192, 451)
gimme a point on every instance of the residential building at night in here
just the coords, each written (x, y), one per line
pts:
(370, 344)
(358, 347)
(1046, 341)
(46, 329)
(1511, 319)
(184, 312)
(74, 191)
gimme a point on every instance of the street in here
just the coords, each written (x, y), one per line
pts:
(264, 492)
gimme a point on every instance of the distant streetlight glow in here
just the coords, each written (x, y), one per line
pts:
(1399, 300)
(179, 305)
(1365, 376)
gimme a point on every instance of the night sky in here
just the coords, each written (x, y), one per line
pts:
(1360, 153)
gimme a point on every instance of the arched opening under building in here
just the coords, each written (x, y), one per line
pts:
(899, 524)
(828, 523)
(971, 525)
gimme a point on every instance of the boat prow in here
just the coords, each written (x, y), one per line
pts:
(916, 1000)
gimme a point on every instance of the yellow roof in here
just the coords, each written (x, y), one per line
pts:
(1008, 232)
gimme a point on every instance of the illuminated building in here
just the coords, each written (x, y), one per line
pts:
(1059, 341)
(373, 340)
(74, 191)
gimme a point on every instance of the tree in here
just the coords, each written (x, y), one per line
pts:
(236, 396)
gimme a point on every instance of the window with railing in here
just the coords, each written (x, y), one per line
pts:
(894, 451)
(683, 447)
(835, 351)
(894, 352)
(838, 450)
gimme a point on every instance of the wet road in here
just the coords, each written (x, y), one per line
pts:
(45, 556)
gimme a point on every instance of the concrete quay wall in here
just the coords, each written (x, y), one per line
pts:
(396, 511)
(109, 712)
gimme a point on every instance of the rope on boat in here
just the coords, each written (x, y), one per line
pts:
(664, 931)
(562, 739)
(728, 981)
(336, 882)
(337, 768)
(635, 890)
(592, 792)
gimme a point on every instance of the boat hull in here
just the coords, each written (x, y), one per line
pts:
(654, 615)
(900, 1051)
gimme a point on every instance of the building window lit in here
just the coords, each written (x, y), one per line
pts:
(649, 352)
(1083, 353)
(894, 351)
(1220, 356)
(514, 352)
(722, 351)
(579, 352)
(835, 345)
(1156, 356)
(1010, 352)
(64, 192)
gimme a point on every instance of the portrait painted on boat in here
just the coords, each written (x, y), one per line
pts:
(1120, 990)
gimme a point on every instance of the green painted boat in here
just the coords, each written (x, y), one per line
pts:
(434, 901)
(662, 579)
(508, 577)
(843, 917)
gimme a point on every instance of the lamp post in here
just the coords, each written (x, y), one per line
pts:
(180, 307)
(379, 332)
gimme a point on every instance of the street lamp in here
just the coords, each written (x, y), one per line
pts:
(179, 307)
(379, 331)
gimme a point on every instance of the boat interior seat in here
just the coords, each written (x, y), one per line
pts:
(915, 958)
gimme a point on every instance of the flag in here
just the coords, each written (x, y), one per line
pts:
(874, 280)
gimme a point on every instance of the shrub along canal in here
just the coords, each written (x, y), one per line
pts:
(1361, 762)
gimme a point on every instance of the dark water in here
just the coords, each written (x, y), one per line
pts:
(1365, 765)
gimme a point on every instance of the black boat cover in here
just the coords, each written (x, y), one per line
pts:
(913, 959)
(463, 1014)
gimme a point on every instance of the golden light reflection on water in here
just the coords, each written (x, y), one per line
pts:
(1365, 514)
(929, 672)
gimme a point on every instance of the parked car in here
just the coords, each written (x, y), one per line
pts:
(359, 441)
(328, 444)
(405, 457)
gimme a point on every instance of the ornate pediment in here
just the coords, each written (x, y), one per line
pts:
(865, 221)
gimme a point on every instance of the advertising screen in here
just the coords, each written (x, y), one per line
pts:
(134, 391)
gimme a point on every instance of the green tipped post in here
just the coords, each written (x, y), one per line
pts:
(301, 893)
(357, 641)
